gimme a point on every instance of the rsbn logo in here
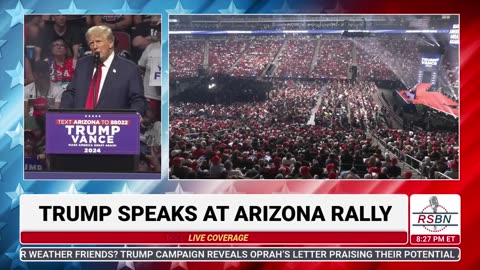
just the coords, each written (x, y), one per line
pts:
(434, 217)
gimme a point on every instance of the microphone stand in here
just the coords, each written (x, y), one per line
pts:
(96, 61)
(95, 77)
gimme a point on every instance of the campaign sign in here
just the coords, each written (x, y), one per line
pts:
(92, 133)
(156, 71)
(430, 61)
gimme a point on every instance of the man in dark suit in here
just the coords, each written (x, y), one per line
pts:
(118, 84)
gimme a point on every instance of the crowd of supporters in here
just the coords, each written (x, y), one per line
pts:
(295, 59)
(53, 44)
(448, 82)
(333, 60)
(317, 122)
(186, 57)
(277, 138)
(261, 51)
(224, 53)
(296, 56)
(437, 151)
(388, 59)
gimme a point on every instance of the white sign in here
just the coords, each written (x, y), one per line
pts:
(155, 71)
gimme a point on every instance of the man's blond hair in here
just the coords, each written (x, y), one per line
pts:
(100, 30)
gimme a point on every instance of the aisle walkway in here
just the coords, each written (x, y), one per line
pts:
(311, 120)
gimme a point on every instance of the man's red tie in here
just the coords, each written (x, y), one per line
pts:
(89, 104)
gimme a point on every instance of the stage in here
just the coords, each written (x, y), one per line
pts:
(435, 100)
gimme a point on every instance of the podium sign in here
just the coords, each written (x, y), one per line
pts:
(93, 132)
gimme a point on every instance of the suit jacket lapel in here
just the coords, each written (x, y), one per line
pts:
(108, 80)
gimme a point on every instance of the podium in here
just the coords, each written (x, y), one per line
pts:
(92, 141)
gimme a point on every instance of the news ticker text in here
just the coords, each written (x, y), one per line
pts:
(238, 254)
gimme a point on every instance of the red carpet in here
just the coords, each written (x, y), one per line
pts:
(432, 99)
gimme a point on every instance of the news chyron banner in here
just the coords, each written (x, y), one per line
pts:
(214, 219)
(435, 219)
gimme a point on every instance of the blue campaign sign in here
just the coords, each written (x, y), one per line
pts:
(92, 133)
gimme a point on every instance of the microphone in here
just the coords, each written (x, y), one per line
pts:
(434, 205)
(96, 59)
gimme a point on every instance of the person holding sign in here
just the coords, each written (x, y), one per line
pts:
(151, 62)
(117, 84)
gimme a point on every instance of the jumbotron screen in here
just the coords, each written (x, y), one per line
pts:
(455, 34)
(238, 135)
